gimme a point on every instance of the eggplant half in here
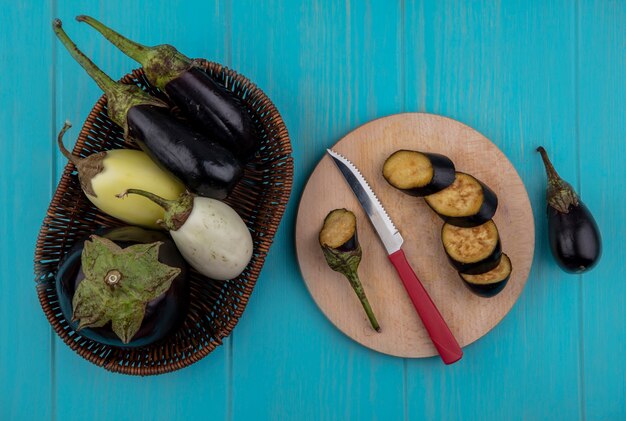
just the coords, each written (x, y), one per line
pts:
(342, 251)
(418, 173)
(467, 202)
(575, 239)
(472, 250)
(162, 314)
(489, 283)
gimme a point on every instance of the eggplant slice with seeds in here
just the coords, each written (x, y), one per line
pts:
(418, 173)
(467, 202)
(339, 230)
(472, 250)
(489, 283)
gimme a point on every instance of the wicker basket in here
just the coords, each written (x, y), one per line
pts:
(260, 198)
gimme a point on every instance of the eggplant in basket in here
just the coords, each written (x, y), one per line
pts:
(126, 287)
(205, 167)
(219, 113)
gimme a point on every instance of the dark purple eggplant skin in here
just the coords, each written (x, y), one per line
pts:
(205, 167)
(574, 238)
(163, 315)
(351, 244)
(487, 290)
(443, 175)
(220, 114)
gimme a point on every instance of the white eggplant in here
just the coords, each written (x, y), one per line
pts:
(209, 234)
(102, 175)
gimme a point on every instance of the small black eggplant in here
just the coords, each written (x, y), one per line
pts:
(204, 166)
(219, 113)
(162, 314)
(574, 236)
(342, 251)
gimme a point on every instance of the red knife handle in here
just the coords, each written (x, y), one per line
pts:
(437, 329)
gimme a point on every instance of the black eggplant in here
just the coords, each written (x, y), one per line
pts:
(205, 167)
(467, 202)
(342, 251)
(418, 173)
(163, 314)
(574, 236)
(489, 283)
(214, 108)
(472, 250)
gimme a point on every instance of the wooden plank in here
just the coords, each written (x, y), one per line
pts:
(329, 67)
(25, 190)
(197, 28)
(602, 131)
(506, 69)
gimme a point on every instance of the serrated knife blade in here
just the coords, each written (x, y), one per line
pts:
(386, 230)
(435, 325)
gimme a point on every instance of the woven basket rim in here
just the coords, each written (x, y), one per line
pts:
(281, 136)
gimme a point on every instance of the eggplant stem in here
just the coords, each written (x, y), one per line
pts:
(66, 153)
(550, 170)
(102, 79)
(131, 48)
(164, 203)
(358, 288)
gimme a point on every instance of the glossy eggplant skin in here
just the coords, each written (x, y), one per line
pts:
(443, 175)
(204, 166)
(163, 315)
(574, 238)
(220, 114)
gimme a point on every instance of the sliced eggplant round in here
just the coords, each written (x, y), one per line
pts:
(467, 202)
(472, 250)
(339, 231)
(489, 283)
(418, 173)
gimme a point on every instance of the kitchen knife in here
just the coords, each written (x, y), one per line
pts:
(435, 325)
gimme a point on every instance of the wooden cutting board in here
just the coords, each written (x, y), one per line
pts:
(469, 316)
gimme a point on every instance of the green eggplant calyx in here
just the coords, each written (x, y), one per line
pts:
(124, 97)
(347, 263)
(118, 285)
(87, 168)
(560, 195)
(176, 211)
(120, 97)
(161, 63)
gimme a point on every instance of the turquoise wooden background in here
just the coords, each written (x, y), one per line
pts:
(523, 73)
